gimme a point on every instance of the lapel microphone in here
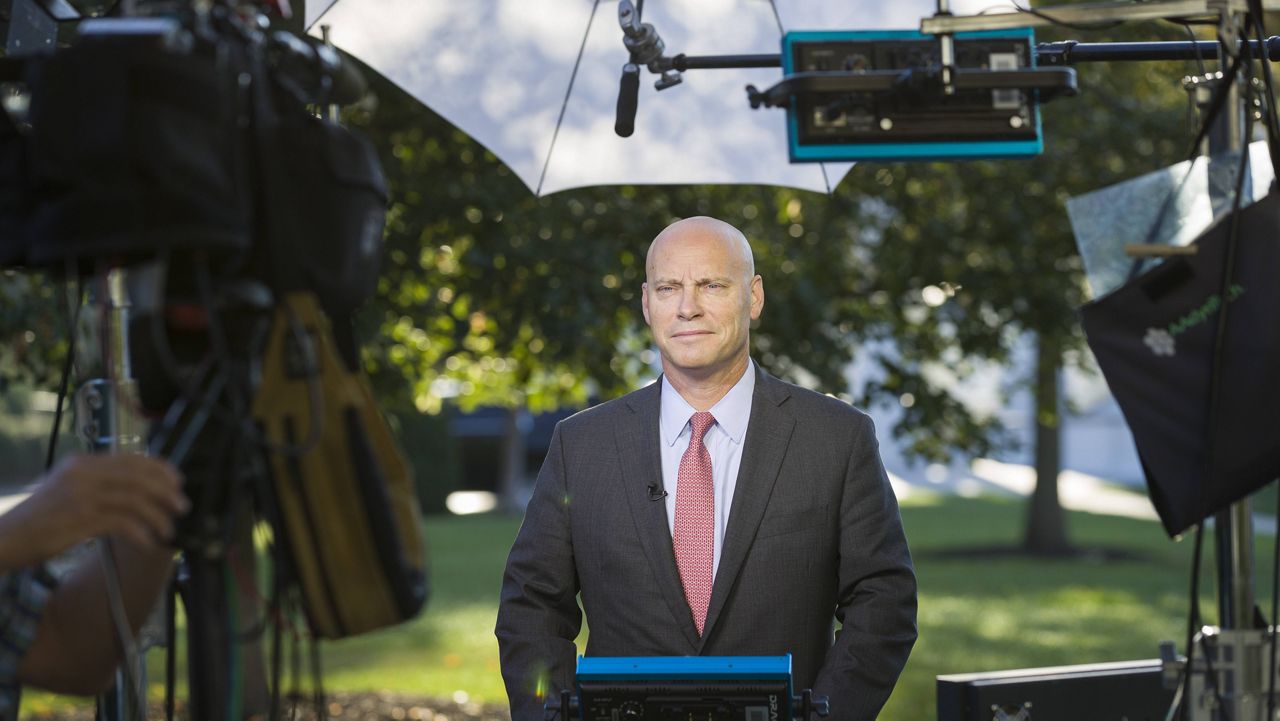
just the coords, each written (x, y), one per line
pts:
(656, 492)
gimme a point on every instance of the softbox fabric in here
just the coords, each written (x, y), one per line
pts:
(1154, 340)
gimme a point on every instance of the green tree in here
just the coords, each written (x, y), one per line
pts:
(34, 330)
(494, 296)
(994, 238)
(490, 295)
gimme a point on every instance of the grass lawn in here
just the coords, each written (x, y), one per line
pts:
(977, 612)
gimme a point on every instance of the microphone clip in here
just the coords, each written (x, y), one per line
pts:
(656, 492)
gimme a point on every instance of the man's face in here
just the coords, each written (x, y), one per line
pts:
(700, 298)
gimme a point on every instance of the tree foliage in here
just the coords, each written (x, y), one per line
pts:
(995, 238)
(34, 330)
(494, 296)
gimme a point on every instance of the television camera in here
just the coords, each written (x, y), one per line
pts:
(169, 161)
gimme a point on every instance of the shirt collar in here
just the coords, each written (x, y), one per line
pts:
(732, 412)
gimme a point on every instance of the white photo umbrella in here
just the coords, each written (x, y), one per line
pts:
(536, 81)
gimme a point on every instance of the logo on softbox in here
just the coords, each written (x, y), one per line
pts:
(1162, 341)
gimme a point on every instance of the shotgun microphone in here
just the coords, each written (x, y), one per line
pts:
(628, 98)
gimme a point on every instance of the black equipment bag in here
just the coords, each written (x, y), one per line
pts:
(133, 147)
(13, 195)
(1154, 339)
(324, 204)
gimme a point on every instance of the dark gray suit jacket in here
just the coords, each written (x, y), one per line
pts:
(813, 535)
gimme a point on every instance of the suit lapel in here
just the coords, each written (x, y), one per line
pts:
(768, 434)
(638, 439)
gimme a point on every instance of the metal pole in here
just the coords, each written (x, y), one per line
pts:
(107, 412)
(126, 436)
(947, 51)
(331, 110)
(1233, 529)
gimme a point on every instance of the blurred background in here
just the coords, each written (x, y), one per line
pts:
(940, 297)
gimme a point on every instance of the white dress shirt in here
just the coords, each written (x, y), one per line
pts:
(723, 441)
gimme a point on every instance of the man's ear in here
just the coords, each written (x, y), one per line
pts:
(757, 297)
(644, 301)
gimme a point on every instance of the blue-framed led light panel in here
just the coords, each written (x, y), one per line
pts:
(916, 122)
(743, 688)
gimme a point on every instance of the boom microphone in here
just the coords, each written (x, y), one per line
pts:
(628, 96)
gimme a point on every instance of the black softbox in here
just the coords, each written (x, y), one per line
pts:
(1154, 339)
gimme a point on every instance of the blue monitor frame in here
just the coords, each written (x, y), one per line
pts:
(684, 668)
(691, 685)
(915, 150)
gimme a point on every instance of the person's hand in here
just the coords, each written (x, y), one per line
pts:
(128, 496)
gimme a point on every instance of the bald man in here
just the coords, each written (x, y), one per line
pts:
(717, 512)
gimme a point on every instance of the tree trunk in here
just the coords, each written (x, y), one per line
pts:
(1046, 530)
(513, 481)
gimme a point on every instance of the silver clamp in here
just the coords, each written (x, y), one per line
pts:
(646, 46)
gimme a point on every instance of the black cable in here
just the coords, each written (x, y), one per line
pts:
(317, 680)
(64, 385)
(1204, 72)
(1220, 94)
(277, 649)
(1135, 269)
(1275, 611)
(315, 394)
(1193, 619)
(217, 339)
(1268, 83)
(277, 605)
(187, 384)
(171, 653)
(1187, 22)
(1062, 23)
(1224, 285)
(134, 693)
(1195, 44)
(295, 673)
(62, 396)
(1273, 146)
(1215, 367)
(1211, 679)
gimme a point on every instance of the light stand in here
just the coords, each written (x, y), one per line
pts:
(1234, 652)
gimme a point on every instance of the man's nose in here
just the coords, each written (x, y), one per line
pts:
(689, 305)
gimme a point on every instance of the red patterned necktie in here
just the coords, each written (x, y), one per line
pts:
(695, 529)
